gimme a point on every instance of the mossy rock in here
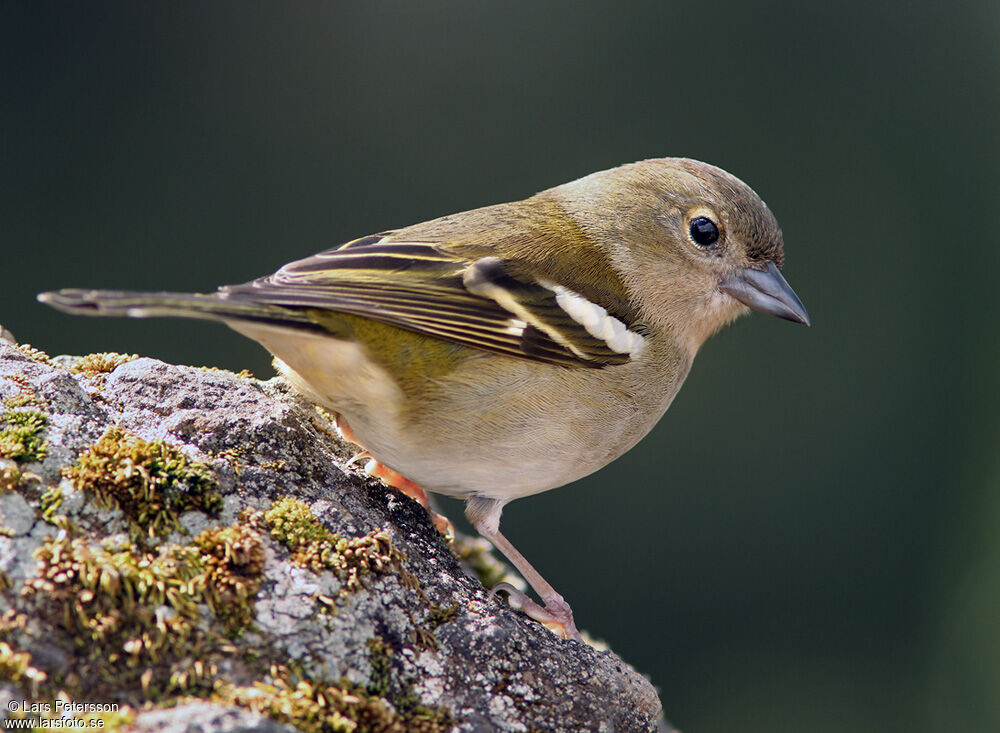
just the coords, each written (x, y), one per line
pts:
(201, 554)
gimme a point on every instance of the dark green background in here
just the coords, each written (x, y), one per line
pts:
(809, 540)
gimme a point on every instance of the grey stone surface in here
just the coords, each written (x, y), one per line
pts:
(203, 717)
(16, 515)
(493, 668)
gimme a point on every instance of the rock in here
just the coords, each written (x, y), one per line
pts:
(190, 533)
(203, 717)
(16, 515)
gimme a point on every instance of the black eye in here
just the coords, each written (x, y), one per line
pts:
(704, 232)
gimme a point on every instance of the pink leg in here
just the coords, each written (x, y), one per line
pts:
(556, 613)
(397, 481)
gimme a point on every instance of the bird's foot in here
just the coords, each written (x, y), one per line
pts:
(413, 490)
(555, 615)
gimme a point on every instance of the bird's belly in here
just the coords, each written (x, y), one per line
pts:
(520, 429)
(493, 426)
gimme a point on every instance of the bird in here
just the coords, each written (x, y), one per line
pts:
(512, 349)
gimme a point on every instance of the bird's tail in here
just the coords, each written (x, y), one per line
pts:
(212, 307)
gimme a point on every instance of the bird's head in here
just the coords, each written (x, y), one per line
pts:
(694, 245)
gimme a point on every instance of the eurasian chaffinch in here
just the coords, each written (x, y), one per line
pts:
(508, 350)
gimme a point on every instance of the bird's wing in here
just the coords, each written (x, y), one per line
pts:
(424, 287)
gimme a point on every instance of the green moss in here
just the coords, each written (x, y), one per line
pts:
(36, 354)
(126, 611)
(136, 618)
(420, 717)
(423, 632)
(151, 482)
(21, 435)
(438, 615)
(16, 667)
(292, 523)
(241, 374)
(10, 476)
(50, 503)
(233, 566)
(407, 704)
(120, 719)
(234, 457)
(308, 708)
(312, 545)
(101, 363)
(134, 615)
(320, 707)
(25, 399)
(380, 657)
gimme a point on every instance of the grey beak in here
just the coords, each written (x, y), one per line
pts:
(766, 291)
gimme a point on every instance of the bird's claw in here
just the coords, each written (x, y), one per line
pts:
(358, 457)
(555, 615)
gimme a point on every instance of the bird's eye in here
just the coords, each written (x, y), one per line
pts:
(704, 231)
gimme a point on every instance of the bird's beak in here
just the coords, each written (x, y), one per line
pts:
(766, 291)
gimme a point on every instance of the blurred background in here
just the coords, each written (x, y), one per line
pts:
(810, 540)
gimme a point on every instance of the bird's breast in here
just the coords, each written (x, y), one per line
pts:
(503, 427)
(485, 424)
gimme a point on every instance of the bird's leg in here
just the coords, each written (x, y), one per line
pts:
(395, 480)
(484, 514)
(412, 489)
